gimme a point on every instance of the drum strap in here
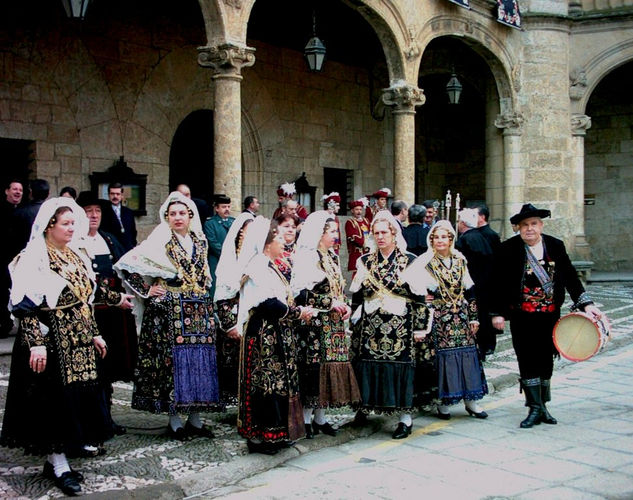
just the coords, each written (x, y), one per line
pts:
(539, 271)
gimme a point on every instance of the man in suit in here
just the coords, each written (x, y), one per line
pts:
(204, 211)
(13, 197)
(25, 215)
(251, 205)
(118, 219)
(416, 232)
(479, 254)
(216, 229)
(400, 210)
(532, 271)
(484, 228)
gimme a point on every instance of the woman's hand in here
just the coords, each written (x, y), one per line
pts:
(126, 301)
(347, 313)
(419, 335)
(474, 326)
(342, 308)
(37, 362)
(306, 313)
(498, 322)
(157, 291)
(233, 334)
(100, 346)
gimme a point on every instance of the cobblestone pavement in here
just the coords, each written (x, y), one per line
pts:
(145, 459)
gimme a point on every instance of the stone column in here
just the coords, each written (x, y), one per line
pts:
(513, 172)
(404, 98)
(226, 62)
(579, 125)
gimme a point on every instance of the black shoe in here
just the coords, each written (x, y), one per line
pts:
(119, 430)
(546, 417)
(533, 418)
(360, 419)
(84, 453)
(443, 416)
(68, 484)
(481, 414)
(49, 472)
(178, 434)
(204, 431)
(325, 428)
(264, 448)
(309, 433)
(402, 431)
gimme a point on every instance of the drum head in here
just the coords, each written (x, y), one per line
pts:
(576, 337)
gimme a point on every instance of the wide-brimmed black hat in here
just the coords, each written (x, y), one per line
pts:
(87, 198)
(528, 210)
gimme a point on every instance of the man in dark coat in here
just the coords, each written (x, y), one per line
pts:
(116, 325)
(13, 196)
(532, 271)
(479, 254)
(25, 216)
(484, 227)
(416, 232)
(119, 219)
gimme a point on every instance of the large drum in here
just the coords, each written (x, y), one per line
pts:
(578, 336)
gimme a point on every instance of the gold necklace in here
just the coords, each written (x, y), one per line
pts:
(449, 282)
(70, 267)
(333, 273)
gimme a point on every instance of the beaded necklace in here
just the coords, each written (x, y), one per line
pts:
(384, 275)
(190, 273)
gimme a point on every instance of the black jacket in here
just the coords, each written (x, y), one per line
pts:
(510, 266)
(110, 224)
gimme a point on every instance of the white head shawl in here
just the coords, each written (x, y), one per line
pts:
(30, 271)
(417, 275)
(305, 268)
(386, 216)
(228, 274)
(261, 284)
(150, 259)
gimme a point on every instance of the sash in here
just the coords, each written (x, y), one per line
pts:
(539, 271)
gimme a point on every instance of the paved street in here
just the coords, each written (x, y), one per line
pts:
(588, 455)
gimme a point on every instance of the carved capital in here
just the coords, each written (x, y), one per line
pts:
(403, 97)
(226, 59)
(577, 83)
(234, 3)
(511, 123)
(580, 124)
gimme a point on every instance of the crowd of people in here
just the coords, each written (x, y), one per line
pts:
(215, 310)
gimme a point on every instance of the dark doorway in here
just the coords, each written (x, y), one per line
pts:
(341, 181)
(191, 155)
(16, 156)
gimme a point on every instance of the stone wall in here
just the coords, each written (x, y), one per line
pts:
(609, 173)
(312, 122)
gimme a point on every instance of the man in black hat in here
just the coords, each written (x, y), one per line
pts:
(532, 272)
(116, 325)
(215, 229)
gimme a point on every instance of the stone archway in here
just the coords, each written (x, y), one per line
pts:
(191, 154)
(608, 175)
(460, 147)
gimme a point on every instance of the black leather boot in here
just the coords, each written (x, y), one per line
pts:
(532, 389)
(546, 418)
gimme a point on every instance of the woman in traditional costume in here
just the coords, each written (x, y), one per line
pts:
(227, 296)
(391, 317)
(325, 374)
(269, 411)
(287, 227)
(451, 295)
(55, 403)
(176, 371)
